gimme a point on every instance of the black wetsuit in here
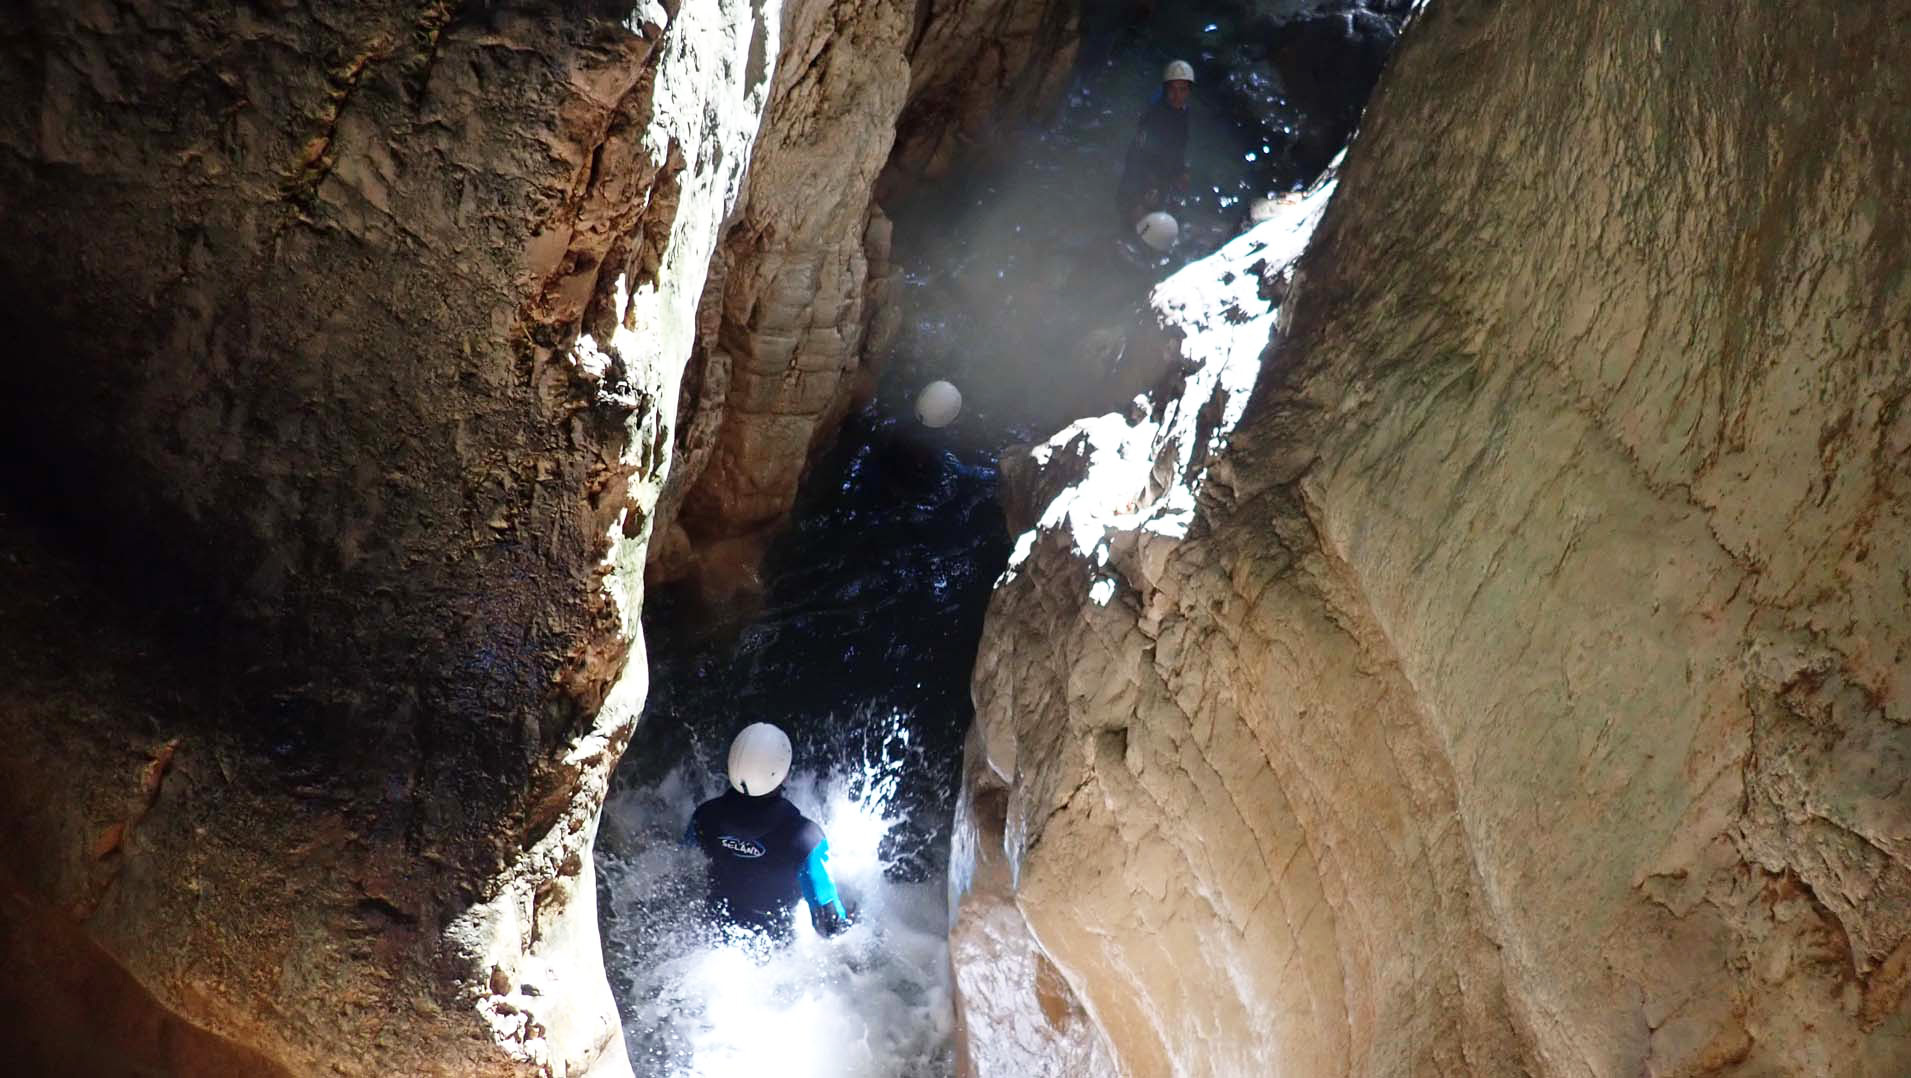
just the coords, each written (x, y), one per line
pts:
(764, 856)
(1156, 159)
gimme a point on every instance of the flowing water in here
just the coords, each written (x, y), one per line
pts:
(1019, 288)
(871, 1002)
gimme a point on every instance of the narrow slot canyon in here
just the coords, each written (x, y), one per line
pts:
(1438, 603)
(856, 627)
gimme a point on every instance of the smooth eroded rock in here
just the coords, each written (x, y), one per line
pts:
(1525, 685)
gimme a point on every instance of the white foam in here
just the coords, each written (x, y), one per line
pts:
(872, 1003)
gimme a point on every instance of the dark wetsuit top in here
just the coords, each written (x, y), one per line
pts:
(1156, 158)
(764, 855)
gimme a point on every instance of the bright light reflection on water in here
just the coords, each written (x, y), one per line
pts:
(872, 1002)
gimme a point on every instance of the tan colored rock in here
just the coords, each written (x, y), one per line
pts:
(996, 959)
(1524, 686)
(782, 317)
(348, 345)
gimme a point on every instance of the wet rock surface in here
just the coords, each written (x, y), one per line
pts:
(1522, 687)
(325, 546)
(1518, 686)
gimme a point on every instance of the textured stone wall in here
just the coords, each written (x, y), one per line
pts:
(802, 289)
(1525, 686)
(345, 343)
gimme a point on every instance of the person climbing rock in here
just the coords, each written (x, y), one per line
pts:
(764, 854)
(1157, 157)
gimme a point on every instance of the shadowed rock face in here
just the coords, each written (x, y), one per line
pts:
(1527, 689)
(325, 530)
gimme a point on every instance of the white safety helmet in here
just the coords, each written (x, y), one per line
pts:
(938, 404)
(1178, 69)
(1158, 230)
(759, 759)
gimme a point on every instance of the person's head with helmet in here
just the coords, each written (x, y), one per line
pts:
(764, 853)
(759, 760)
(1177, 83)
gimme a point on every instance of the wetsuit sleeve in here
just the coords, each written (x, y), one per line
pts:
(1165, 145)
(818, 889)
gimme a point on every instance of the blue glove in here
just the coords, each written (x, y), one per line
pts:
(830, 919)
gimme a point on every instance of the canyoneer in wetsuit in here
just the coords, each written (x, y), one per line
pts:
(1158, 156)
(764, 854)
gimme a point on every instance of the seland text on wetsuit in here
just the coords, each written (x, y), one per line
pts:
(764, 854)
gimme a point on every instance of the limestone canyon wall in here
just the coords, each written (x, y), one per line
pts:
(344, 346)
(801, 288)
(1524, 685)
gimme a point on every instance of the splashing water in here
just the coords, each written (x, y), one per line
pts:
(874, 1001)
